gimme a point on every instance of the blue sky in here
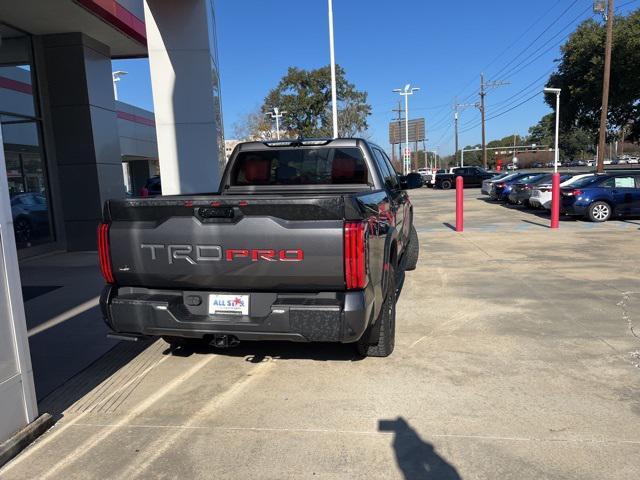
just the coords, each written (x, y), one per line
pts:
(440, 47)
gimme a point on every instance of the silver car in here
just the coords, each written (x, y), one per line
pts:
(488, 183)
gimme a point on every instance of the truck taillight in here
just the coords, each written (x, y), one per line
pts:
(104, 254)
(354, 255)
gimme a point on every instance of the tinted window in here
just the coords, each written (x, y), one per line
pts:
(390, 175)
(583, 182)
(300, 166)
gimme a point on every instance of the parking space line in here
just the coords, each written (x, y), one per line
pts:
(598, 441)
(137, 410)
(156, 449)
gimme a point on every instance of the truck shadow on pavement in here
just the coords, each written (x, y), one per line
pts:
(257, 352)
(416, 458)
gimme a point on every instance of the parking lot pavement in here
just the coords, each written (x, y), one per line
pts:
(515, 358)
(485, 215)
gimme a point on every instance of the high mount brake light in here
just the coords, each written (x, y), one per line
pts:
(354, 255)
(104, 254)
(297, 143)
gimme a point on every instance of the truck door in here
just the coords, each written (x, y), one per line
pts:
(398, 199)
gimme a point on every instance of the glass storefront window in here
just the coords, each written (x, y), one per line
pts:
(21, 126)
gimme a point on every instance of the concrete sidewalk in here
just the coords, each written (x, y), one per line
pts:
(516, 358)
(66, 331)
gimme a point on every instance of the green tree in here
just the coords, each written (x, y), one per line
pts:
(543, 132)
(573, 142)
(306, 97)
(254, 126)
(580, 71)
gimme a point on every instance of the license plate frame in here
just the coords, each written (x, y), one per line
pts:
(228, 304)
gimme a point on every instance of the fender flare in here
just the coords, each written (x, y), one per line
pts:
(390, 243)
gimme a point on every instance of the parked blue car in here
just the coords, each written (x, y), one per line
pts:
(602, 196)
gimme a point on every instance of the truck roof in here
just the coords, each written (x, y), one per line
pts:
(301, 142)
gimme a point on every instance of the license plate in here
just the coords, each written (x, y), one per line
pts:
(238, 304)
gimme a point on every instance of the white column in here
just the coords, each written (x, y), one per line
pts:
(185, 84)
(17, 392)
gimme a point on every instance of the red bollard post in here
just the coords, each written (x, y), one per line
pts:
(555, 200)
(459, 204)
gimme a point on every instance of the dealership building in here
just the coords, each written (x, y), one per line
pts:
(69, 145)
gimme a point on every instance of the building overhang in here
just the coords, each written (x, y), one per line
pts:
(118, 24)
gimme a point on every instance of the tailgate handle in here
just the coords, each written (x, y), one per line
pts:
(207, 213)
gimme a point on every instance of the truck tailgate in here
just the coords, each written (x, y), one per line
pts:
(228, 244)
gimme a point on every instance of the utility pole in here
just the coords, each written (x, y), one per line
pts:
(455, 121)
(399, 110)
(484, 87)
(605, 83)
(457, 108)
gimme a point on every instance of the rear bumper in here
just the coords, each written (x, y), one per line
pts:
(573, 210)
(311, 317)
(569, 206)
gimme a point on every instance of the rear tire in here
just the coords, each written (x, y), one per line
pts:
(599, 212)
(384, 344)
(413, 250)
(446, 184)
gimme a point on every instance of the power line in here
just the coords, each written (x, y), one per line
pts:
(443, 119)
(515, 69)
(547, 12)
(533, 86)
(505, 112)
(537, 38)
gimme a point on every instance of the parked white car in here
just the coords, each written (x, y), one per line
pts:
(541, 195)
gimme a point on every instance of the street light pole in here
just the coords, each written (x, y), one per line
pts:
(406, 91)
(555, 178)
(334, 99)
(605, 87)
(116, 76)
(277, 114)
(407, 154)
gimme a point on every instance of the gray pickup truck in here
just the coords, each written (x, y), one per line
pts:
(305, 240)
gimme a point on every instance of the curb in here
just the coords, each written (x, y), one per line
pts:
(23, 438)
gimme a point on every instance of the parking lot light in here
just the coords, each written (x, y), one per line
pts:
(405, 92)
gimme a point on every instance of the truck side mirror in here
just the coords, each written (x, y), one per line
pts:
(411, 181)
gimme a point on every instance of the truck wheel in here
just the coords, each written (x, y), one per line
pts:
(413, 250)
(446, 184)
(386, 340)
(599, 212)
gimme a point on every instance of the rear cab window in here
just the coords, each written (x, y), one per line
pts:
(300, 166)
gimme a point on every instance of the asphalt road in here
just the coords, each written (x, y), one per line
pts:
(517, 357)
